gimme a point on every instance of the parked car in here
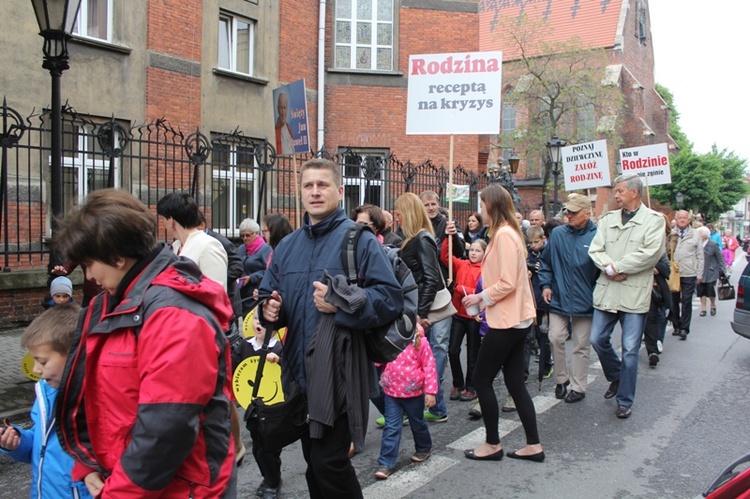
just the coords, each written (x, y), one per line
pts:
(741, 322)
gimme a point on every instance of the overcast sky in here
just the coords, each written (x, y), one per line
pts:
(700, 54)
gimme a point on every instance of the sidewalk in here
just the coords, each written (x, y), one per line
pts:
(16, 390)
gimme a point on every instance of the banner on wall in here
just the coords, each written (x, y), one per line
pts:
(585, 165)
(454, 93)
(650, 162)
(290, 118)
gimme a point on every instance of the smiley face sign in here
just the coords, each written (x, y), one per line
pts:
(27, 367)
(248, 329)
(243, 382)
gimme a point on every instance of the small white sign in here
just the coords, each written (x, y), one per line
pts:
(585, 165)
(651, 163)
(454, 93)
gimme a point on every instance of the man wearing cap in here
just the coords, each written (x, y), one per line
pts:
(627, 245)
(567, 276)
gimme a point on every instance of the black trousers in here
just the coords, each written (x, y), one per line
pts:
(687, 290)
(503, 348)
(461, 327)
(269, 463)
(330, 474)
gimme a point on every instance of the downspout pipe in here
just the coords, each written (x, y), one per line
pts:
(321, 74)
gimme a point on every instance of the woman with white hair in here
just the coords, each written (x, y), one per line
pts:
(713, 268)
(254, 252)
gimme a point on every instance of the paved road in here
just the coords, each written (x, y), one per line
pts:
(689, 421)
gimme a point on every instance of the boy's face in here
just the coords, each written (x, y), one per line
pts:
(260, 331)
(536, 243)
(60, 298)
(48, 364)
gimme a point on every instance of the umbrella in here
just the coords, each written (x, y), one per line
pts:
(544, 352)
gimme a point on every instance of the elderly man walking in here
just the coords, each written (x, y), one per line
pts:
(627, 245)
(567, 276)
(689, 254)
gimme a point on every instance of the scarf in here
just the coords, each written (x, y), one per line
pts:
(254, 246)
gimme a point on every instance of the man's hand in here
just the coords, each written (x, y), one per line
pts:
(424, 322)
(271, 307)
(59, 270)
(547, 295)
(94, 482)
(619, 277)
(319, 297)
(450, 227)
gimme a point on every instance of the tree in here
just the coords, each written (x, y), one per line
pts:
(557, 89)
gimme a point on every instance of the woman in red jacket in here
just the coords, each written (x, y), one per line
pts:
(466, 273)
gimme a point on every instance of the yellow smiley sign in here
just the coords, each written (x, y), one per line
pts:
(27, 367)
(244, 380)
(248, 331)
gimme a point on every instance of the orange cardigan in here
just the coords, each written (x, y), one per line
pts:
(507, 291)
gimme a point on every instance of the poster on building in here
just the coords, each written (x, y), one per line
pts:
(650, 162)
(585, 165)
(454, 93)
(290, 118)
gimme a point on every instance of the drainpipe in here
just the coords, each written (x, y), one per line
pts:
(321, 73)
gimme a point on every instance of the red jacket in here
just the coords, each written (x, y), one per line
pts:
(465, 275)
(145, 395)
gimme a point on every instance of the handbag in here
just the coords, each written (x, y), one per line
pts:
(674, 276)
(442, 306)
(278, 425)
(725, 291)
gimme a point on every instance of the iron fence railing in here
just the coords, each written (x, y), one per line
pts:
(232, 176)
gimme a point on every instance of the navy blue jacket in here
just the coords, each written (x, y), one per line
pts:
(569, 271)
(300, 259)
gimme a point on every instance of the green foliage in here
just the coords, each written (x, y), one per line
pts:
(711, 183)
(674, 117)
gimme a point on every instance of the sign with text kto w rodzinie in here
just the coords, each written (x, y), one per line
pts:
(651, 163)
(454, 93)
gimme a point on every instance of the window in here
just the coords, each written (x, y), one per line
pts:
(232, 186)
(94, 19)
(364, 35)
(586, 120)
(509, 118)
(236, 44)
(85, 165)
(364, 178)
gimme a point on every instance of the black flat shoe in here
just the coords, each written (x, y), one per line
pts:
(537, 458)
(703, 313)
(497, 456)
(713, 311)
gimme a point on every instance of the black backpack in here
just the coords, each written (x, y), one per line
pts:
(384, 343)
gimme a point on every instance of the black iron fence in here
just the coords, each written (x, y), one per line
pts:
(232, 176)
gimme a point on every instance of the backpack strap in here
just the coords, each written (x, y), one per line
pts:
(349, 252)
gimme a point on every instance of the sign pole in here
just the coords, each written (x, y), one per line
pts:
(296, 191)
(451, 192)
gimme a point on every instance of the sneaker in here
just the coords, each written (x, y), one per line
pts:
(659, 346)
(434, 418)
(380, 422)
(468, 396)
(383, 473)
(476, 410)
(509, 406)
(561, 390)
(653, 359)
(261, 488)
(418, 457)
(548, 374)
(455, 393)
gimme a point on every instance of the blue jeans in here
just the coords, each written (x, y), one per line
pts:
(394, 426)
(439, 336)
(624, 370)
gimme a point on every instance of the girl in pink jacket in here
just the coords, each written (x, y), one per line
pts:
(410, 384)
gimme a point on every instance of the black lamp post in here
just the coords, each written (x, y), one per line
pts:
(679, 197)
(503, 175)
(554, 148)
(56, 19)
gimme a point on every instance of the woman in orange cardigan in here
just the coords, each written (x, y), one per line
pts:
(510, 313)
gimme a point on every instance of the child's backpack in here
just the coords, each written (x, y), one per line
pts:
(384, 343)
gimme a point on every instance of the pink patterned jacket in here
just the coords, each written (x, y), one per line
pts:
(412, 373)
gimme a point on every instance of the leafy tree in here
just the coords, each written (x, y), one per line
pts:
(559, 90)
(675, 131)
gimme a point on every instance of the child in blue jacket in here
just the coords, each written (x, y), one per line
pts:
(48, 339)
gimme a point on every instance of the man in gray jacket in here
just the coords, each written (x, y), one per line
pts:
(689, 254)
(627, 245)
(567, 277)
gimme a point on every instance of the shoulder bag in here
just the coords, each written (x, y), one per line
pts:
(674, 275)
(442, 306)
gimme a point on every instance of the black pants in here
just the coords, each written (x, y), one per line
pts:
(330, 474)
(542, 340)
(269, 463)
(503, 348)
(461, 327)
(687, 290)
(656, 323)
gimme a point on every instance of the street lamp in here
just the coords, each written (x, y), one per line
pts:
(503, 174)
(56, 19)
(554, 148)
(679, 197)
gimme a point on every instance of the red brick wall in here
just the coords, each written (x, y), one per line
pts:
(23, 305)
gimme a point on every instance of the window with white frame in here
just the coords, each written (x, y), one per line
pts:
(364, 177)
(233, 190)
(94, 20)
(364, 36)
(85, 165)
(236, 43)
(509, 118)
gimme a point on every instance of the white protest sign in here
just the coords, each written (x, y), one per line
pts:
(454, 93)
(651, 163)
(585, 165)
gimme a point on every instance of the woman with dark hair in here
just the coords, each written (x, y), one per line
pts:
(276, 227)
(510, 313)
(475, 229)
(372, 216)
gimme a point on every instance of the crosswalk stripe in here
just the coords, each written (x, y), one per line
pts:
(409, 479)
